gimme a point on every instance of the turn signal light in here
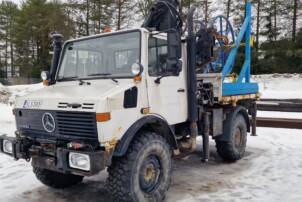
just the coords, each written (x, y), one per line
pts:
(45, 83)
(103, 117)
(137, 79)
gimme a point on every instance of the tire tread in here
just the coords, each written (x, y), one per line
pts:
(56, 180)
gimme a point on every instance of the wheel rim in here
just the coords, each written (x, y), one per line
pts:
(150, 173)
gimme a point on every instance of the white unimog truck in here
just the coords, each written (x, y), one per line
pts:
(130, 100)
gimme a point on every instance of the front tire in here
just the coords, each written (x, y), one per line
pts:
(144, 173)
(56, 180)
(234, 149)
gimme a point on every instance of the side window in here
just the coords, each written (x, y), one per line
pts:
(158, 53)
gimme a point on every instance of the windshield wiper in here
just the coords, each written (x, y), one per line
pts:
(74, 78)
(83, 82)
(104, 74)
(116, 81)
(100, 74)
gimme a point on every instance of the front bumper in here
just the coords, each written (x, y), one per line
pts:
(58, 161)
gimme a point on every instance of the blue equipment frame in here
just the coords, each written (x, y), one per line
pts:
(222, 55)
(243, 85)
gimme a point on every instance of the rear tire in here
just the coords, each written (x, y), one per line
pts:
(144, 173)
(234, 149)
(56, 180)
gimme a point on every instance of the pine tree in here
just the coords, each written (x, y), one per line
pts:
(234, 11)
(34, 22)
(207, 10)
(8, 12)
(123, 15)
(228, 8)
(101, 14)
(273, 14)
(295, 16)
(87, 17)
(258, 18)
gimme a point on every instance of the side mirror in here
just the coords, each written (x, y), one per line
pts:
(45, 76)
(174, 63)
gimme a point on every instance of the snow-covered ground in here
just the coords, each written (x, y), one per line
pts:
(280, 86)
(271, 170)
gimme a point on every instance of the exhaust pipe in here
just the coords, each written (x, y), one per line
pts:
(57, 42)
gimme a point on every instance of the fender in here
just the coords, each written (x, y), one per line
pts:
(231, 116)
(150, 122)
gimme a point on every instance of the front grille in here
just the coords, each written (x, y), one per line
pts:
(69, 125)
(87, 106)
(76, 123)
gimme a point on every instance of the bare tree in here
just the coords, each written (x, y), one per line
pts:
(124, 10)
(258, 24)
(295, 11)
(228, 9)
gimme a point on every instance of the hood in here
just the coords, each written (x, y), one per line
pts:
(72, 96)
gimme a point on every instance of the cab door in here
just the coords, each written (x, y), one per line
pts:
(167, 94)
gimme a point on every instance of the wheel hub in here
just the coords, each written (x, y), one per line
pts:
(149, 174)
(238, 137)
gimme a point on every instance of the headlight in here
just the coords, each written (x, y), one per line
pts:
(136, 69)
(7, 146)
(79, 161)
(45, 75)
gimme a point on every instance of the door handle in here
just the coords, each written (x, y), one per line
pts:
(181, 90)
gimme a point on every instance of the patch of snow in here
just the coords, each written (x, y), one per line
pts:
(7, 120)
(4, 94)
(280, 86)
(286, 115)
(21, 90)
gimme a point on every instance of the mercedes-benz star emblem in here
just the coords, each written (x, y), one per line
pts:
(48, 122)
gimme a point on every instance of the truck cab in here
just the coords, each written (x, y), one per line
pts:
(116, 83)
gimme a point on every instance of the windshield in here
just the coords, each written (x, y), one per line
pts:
(108, 56)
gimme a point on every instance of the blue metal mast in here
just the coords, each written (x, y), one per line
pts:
(243, 84)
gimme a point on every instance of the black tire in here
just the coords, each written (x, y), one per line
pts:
(56, 180)
(234, 149)
(144, 173)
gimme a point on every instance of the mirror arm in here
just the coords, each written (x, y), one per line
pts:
(157, 80)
